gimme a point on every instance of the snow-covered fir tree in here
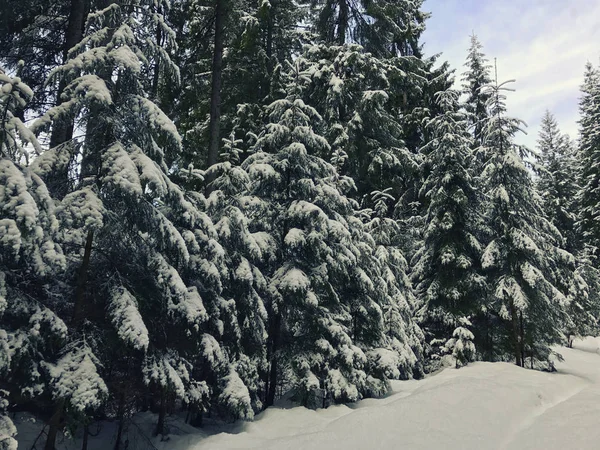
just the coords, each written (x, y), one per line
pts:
(447, 269)
(35, 361)
(589, 159)
(325, 320)
(389, 240)
(356, 94)
(463, 349)
(527, 272)
(557, 179)
(245, 253)
(143, 253)
(476, 77)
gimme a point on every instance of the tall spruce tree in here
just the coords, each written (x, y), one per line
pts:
(355, 93)
(162, 301)
(447, 268)
(326, 324)
(589, 156)
(557, 179)
(476, 77)
(528, 273)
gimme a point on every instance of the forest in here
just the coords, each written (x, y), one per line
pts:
(208, 204)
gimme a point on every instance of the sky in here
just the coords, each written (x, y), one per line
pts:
(542, 44)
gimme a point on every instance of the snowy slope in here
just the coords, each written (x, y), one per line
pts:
(481, 406)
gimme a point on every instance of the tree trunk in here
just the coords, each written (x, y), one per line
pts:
(121, 417)
(515, 331)
(196, 419)
(522, 333)
(272, 385)
(269, 50)
(86, 433)
(162, 414)
(78, 309)
(63, 129)
(54, 425)
(215, 98)
(343, 18)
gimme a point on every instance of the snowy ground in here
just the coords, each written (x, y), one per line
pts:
(482, 406)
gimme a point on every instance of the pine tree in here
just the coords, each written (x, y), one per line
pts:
(36, 362)
(355, 94)
(325, 321)
(231, 209)
(589, 156)
(528, 274)
(394, 29)
(400, 303)
(475, 79)
(447, 267)
(463, 349)
(162, 292)
(557, 182)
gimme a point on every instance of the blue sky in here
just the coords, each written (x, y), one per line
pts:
(543, 44)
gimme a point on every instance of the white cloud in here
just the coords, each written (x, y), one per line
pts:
(543, 44)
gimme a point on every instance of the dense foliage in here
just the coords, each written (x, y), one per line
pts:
(208, 204)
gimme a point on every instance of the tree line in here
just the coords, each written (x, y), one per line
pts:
(205, 204)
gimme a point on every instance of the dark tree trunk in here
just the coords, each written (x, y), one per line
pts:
(121, 417)
(63, 129)
(343, 22)
(78, 310)
(272, 380)
(196, 420)
(515, 333)
(215, 97)
(162, 414)
(156, 75)
(522, 333)
(86, 434)
(269, 50)
(54, 426)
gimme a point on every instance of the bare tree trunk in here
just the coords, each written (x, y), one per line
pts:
(63, 129)
(215, 98)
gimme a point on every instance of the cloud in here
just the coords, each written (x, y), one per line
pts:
(543, 44)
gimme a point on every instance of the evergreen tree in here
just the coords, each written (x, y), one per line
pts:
(246, 252)
(475, 79)
(162, 296)
(325, 321)
(400, 312)
(589, 156)
(355, 94)
(557, 182)
(447, 268)
(395, 28)
(527, 272)
(38, 362)
(461, 344)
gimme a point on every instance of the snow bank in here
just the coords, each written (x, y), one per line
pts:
(481, 406)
